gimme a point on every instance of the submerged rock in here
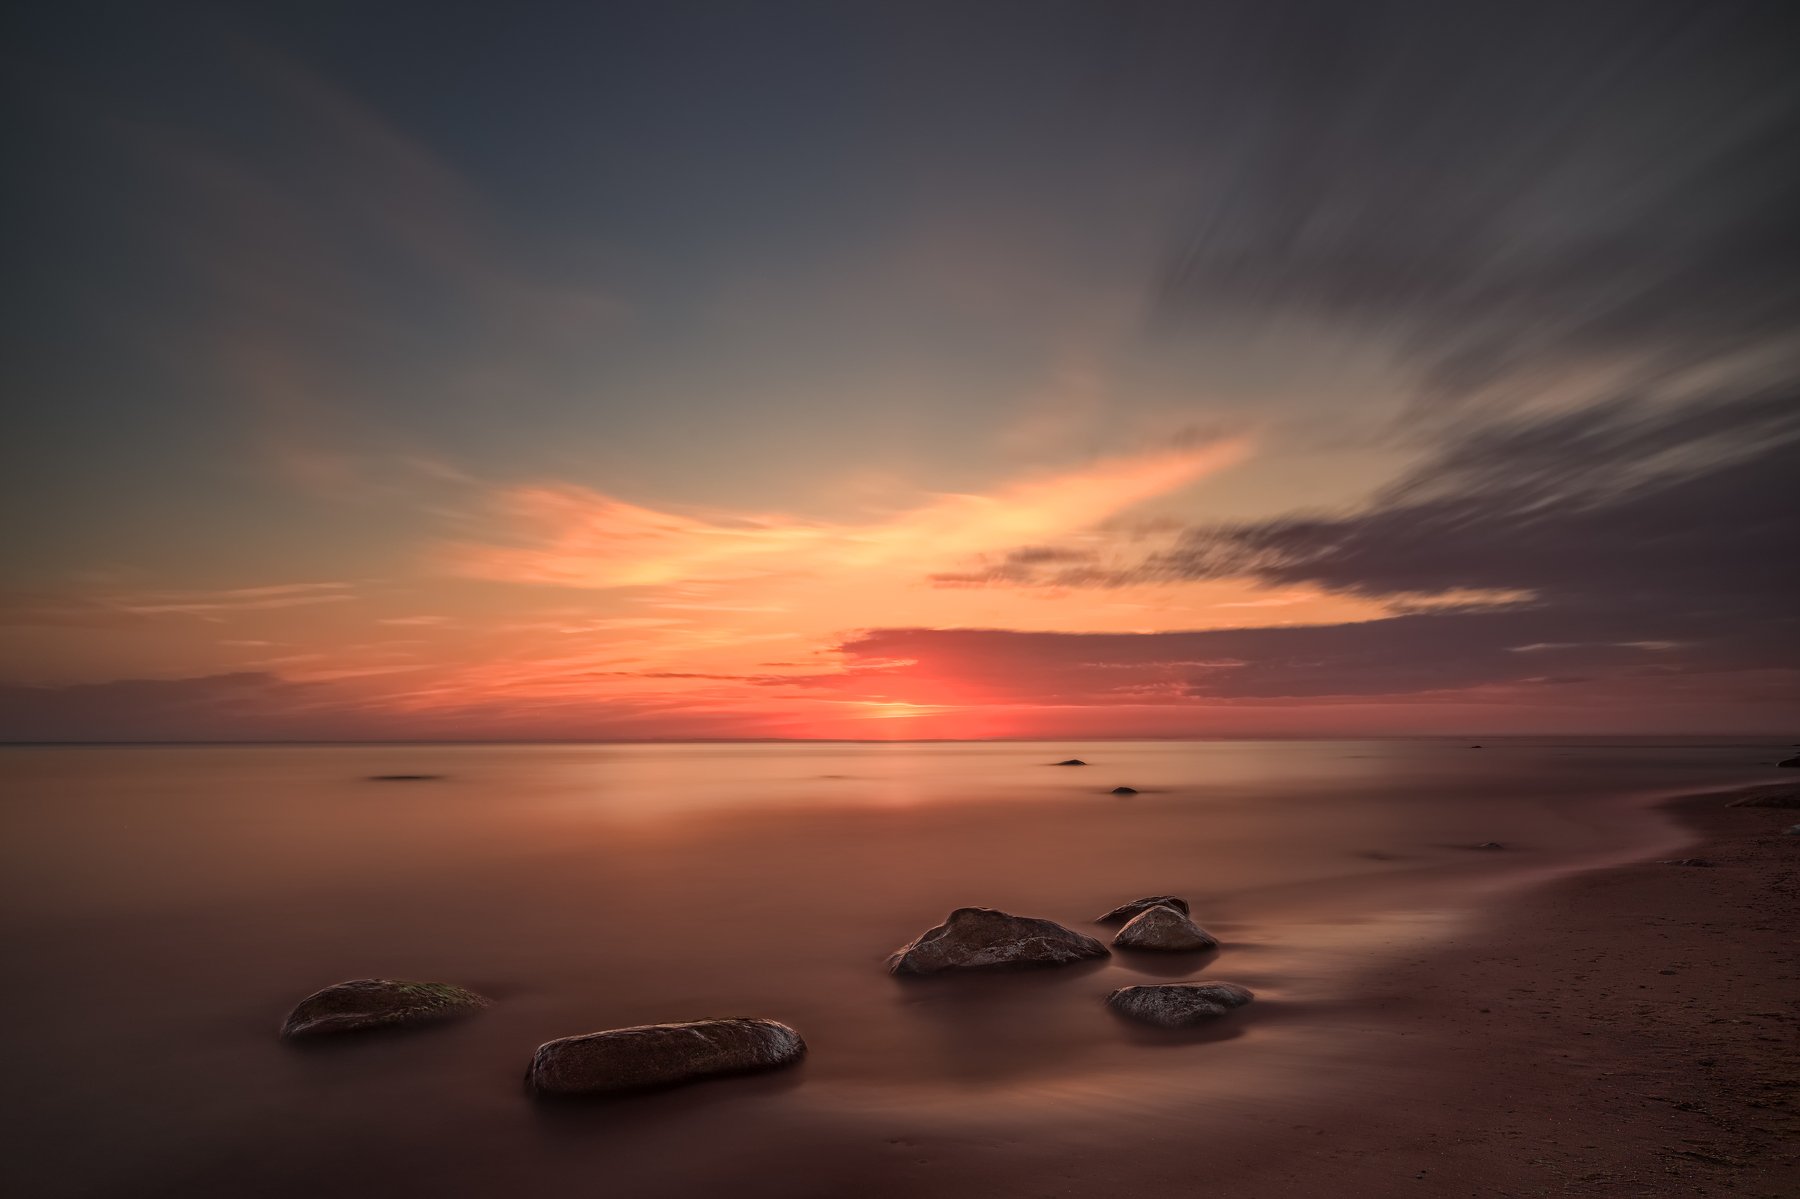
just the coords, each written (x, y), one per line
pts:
(1178, 1005)
(980, 938)
(1490, 845)
(1684, 862)
(366, 1003)
(1124, 791)
(403, 778)
(1070, 762)
(655, 1055)
(1163, 928)
(1789, 762)
(1126, 911)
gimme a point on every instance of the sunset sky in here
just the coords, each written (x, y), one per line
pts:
(841, 370)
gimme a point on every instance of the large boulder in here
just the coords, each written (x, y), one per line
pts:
(1126, 911)
(1178, 1005)
(365, 1003)
(1163, 928)
(981, 938)
(655, 1055)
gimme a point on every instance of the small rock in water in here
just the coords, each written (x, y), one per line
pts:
(1178, 1005)
(366, 1003)
(1794, 830)
(1474, 747)
(403, 778)
(1164, 928)
(1684, 862)
(1070, 762)
(1126, 911)
(1490, 845)
(655, 1055)
(1124, 791)
(1789, 762)
(980, 938)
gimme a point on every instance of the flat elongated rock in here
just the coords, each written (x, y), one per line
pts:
(1178, 1005)
(1070, 762)
(365, 1003)
(1164, 928)
(656, 1055)
(982, 938)
(1126, 911)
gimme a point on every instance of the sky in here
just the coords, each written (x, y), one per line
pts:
(900, 370)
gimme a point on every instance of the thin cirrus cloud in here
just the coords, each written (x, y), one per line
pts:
(573, 537)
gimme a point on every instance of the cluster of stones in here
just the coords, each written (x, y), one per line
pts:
(656, 1055)
(984, 939)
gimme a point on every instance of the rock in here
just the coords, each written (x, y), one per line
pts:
(1793, 830)
(979, 938)
(1178, 1005)
(403, 778)
(365, 1003)
(1163, 928)
(1684, 862)
(655, 1055)
(1124, 790)
(1474, 747)
(1789, 762)
(1490, 845)
(1126, 911)
(1070, 762)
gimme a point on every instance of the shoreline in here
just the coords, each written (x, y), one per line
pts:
(1630, 1029)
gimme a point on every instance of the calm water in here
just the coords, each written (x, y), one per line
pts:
(166, 906)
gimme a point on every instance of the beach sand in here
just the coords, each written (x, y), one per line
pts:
(1626, 1031)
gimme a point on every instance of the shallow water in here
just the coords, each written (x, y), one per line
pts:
(167, 905)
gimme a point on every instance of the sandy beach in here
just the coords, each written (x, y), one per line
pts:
(1633, 1031)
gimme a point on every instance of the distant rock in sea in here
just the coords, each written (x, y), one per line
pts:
(1126, 911)
(404, 778)
(1124, 791)
(1789, 762)
(366, 1003)
(1684, 862)
(1474, 747)
(1070, 762)
(657, 1055)
(1490, 845)
(1163, 928)
(983, 938)
(1178, 1005)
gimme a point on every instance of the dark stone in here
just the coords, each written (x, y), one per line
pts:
(1124, 790)
(1070, 762)
(1178, 1005)
(656, 1055)
(1163, 928)
(1126, 911)
(1490, 845)
(982, 938)
(366, 1003)
(403, 778)
(1474, 747)
(1685, 862)
(1789, 762)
